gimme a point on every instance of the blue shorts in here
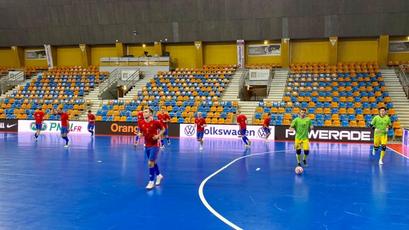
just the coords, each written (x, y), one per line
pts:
(39, 126)
(152, 152)
(267, 130)
(91, 126)
(166, 132)
(243, 132)
(200, 135)
(64, 130)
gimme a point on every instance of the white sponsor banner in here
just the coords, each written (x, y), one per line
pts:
(259, 74)
(264, 50)
(76, 127)
(254, 132)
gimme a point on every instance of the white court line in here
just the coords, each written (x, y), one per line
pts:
(201, 187)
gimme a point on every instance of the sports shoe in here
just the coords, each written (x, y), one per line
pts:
(159, 179)
(380, 162)
(305, 162)
(66, 146)
(168, 142)
(150, 185)
(201, 148)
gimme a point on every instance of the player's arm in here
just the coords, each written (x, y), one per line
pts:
(373, 124)
(293, 126)
(161, 132)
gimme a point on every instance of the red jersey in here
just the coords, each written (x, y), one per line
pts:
(200, 122)
(241, 120)
(150, 129)
(164, 119)
(91, 118)
(64, 119)
(266, 122)
(39, 116)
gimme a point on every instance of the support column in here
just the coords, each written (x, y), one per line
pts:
(198, 54)
(383, 50)
(85, 55)
(285, 52)
(120, 49)
(158, 48)
(18, 54)
(333, 50)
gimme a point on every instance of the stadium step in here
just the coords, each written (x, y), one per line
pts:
(399, 99)
(11, 91)
(232, 91)
(277, 86)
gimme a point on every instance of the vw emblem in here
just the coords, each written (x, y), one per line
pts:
(261, 133)
(189, 130)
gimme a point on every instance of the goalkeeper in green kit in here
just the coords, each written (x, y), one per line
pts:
(381, 124)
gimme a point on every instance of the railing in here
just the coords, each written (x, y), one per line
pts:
(15, 79)
(243, 78)
(114, 76)
(404, 78)
(131, 80)
(270, 80)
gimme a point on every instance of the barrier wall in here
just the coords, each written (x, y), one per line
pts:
(254, 132)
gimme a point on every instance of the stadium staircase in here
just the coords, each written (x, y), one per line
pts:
(277, 87)
(400, 102)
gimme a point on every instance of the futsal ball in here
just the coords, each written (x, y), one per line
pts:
(299, 170)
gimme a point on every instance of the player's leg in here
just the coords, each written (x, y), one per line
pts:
(166, 134)
(137, 136)
(151, 165)
(91, 129)
(268, 132)
(64, 132)
(306, 148)
(298, 151)
(200, 139)
(38, 130)
(384, 141)
(246, 141)
(376, 144)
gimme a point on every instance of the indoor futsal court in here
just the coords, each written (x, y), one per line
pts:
(98, 183)
(204, 114)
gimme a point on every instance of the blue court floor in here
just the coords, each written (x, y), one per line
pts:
(100, 184)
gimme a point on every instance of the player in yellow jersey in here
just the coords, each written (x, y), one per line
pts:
(381, 124)
(302, 126)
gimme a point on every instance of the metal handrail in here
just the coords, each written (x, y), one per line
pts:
(243, 77)
(404, 78)
(131, 80)
(114, 76)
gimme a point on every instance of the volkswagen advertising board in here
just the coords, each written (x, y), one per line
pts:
(225, 131)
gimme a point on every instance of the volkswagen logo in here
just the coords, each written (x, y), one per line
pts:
(189, 130)
(261, 133)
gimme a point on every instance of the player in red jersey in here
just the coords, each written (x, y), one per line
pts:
(39, 118)
(152, 130)
(91, 122)
(242, 121)
(64, 126)
(164, 118)
(138, 130)
(200, 128)
(266, 126)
